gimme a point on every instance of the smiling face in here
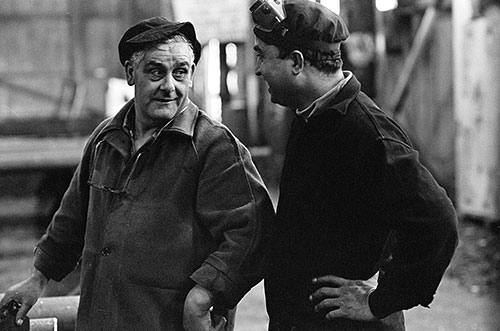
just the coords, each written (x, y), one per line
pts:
(275, 71)
(162, 77)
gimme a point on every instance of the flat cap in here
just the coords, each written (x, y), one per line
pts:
(154, 29)
(307, 24)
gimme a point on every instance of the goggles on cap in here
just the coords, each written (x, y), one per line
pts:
(267, 14)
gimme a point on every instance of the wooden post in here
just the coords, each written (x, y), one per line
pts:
(477, 101)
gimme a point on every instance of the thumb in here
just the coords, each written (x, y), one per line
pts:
(221, 324)
(21, 313)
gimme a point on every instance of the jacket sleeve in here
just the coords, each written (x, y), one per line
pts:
(424, 233)
(234, 205)
(59, 249)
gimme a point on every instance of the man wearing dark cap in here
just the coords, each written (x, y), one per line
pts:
(166, 213)
(363, 230)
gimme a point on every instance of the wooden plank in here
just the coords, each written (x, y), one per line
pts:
(40, 153)
(478, 121)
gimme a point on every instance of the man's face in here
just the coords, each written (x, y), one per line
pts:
(162, 79)
(275, 72)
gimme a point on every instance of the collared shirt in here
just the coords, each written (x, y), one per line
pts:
(129, 125)
(319, 103)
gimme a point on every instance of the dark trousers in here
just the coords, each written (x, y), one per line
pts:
(393, 322)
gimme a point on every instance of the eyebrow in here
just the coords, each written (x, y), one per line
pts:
(176, 63)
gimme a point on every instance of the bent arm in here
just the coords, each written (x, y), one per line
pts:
(235, 206)
(424, 225)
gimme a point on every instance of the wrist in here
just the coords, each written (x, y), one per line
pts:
(38, 276)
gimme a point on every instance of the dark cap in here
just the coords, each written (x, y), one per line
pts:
(154, 29)
(307, 24)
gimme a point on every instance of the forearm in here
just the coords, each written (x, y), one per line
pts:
(38, 277)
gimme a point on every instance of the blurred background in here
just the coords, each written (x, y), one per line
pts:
(434, 66)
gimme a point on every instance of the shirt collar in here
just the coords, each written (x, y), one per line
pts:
(183, 123)
(320, 102)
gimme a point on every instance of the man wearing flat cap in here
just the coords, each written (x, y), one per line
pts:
(166, 213)
(363, 230)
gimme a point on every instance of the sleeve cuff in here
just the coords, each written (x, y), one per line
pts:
(49, 266)
(227, 292)
(382, 304)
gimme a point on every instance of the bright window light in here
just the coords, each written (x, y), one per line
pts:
(231, 55)
(214, 102)
(386, 5)
(333, 5)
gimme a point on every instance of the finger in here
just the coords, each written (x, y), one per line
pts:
(7, 307)
(4, 302)
(329, 279)
(4, 309)
(338, 313)
(328, 304)
(324, 292)
(21, 313)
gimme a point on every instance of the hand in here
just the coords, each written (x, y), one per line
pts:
(23, 296)
(198, 311)
(340, 297)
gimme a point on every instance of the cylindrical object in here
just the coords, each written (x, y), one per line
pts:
(62, 308)
(43, 324)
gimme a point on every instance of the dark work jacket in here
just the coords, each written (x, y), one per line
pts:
(354, 199)
(188, 207)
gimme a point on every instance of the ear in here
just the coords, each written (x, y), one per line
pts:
(298, 62)
(193, 67)
(129, 72)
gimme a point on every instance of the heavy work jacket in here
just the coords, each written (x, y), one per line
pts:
(354, 199)
(188, 207)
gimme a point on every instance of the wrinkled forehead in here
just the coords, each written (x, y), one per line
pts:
(171, 50)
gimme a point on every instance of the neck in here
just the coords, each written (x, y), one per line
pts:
(317, 85)
(141, 136)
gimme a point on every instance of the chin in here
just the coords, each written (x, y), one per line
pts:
(278, 101)
(165, 113)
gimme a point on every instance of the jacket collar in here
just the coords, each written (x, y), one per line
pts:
(346, 95)
(319, 104)
(184, 122)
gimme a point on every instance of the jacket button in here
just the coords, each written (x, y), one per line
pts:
(106, 251)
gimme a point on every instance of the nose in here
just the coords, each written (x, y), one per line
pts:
(167, 83)
(257, 68)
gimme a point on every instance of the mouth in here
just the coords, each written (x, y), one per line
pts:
(160, 100)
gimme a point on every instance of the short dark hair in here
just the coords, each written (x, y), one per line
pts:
(325, 61)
